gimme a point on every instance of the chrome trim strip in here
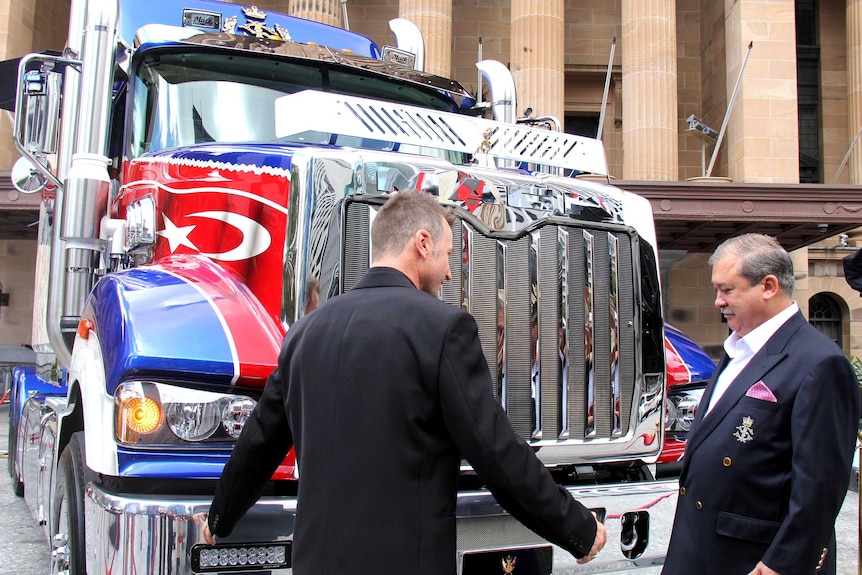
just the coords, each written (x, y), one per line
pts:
(563, 285)
(589, 337)
(502, 391)
(535, 335)
(614, 313)
(466, 265)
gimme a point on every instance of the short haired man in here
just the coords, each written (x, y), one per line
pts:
(383, 390)
(768, 459)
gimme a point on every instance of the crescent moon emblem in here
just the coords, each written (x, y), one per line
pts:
(255, 238)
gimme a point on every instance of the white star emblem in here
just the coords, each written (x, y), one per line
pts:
(177, 236)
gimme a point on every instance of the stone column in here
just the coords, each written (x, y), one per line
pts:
(16, 39)
(434, 20)
(537, 52)
(650, 116)
(801, 292)
(854, 87)
(326, 11)
(762, 137)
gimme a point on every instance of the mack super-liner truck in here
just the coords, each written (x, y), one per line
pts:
(209, 172)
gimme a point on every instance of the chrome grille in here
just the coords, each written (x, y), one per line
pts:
(558, 278)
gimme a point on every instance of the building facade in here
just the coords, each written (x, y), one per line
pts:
(775, 85)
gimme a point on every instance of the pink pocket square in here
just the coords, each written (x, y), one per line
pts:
(760, 391)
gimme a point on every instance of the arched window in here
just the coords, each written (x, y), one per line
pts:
(825, 315)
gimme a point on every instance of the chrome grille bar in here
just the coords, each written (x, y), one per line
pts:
(563, 287)
(537, 363)
(500, 387)
(614, 319)
(589, 337)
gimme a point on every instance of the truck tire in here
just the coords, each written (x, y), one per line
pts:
(70, 559)
(12, 456)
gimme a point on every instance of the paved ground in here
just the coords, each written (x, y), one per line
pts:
(24, 550)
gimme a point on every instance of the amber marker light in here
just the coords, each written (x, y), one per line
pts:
(85, 326)
(136, 414)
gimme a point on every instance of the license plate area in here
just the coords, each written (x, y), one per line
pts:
(518, 561)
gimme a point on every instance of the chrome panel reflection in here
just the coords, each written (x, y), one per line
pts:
(614, 318)
(37, 434)
(451, 290)
(466, 259)
(535, 337)
(501, 322)
(480, 526)
(589, 327)
(155, 536)
(563, 286)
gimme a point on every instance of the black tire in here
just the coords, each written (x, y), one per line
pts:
(69, 507)
(12, 455)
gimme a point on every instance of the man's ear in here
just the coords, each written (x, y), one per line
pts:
(770, 286)
(423, 244)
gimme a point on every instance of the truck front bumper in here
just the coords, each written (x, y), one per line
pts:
(158, 535)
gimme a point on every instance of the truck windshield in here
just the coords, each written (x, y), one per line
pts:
(189, 98)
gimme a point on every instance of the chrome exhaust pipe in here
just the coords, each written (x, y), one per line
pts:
(408, 37)
(82, 201)
(502, 90)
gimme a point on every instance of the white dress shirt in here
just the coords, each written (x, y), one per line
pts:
(740, 350)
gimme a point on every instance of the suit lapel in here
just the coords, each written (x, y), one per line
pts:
(767, 358)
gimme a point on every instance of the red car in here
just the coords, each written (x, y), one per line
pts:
(688, 370)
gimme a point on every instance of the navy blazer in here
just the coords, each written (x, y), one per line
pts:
(383, 390)
(764, 479)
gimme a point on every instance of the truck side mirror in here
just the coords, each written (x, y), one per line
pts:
(37, 117)
(26, 177)
(39, 103)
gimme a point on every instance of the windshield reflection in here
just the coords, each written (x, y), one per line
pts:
(194, 98)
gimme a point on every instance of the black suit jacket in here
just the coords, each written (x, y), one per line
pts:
(383, 390)
(764, 480)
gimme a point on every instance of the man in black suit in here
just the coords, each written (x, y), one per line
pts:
(383, 390)
(767, 464)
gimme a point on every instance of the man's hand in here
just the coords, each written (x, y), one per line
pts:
(761, 569)
(201, 520)
(601, 538)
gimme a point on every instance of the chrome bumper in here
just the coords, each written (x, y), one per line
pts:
(155, 536)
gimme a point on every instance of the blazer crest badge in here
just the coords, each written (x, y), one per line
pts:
(745, 432)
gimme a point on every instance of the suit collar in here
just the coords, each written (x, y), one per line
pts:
(772, 353)
(384, 277)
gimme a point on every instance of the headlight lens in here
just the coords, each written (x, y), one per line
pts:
(235, 414)
(681, 408)
(192, 421)
(150, 413)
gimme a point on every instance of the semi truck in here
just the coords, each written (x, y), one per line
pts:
(209, 173)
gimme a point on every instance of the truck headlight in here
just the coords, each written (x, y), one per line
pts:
(192, 421)
(150, 413)
(682, 404)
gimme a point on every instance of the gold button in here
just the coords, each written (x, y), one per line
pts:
(682, 490)
(727, 461)
(699, 505)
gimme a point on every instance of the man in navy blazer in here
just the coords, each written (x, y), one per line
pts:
(383, 390)
(768, 459)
